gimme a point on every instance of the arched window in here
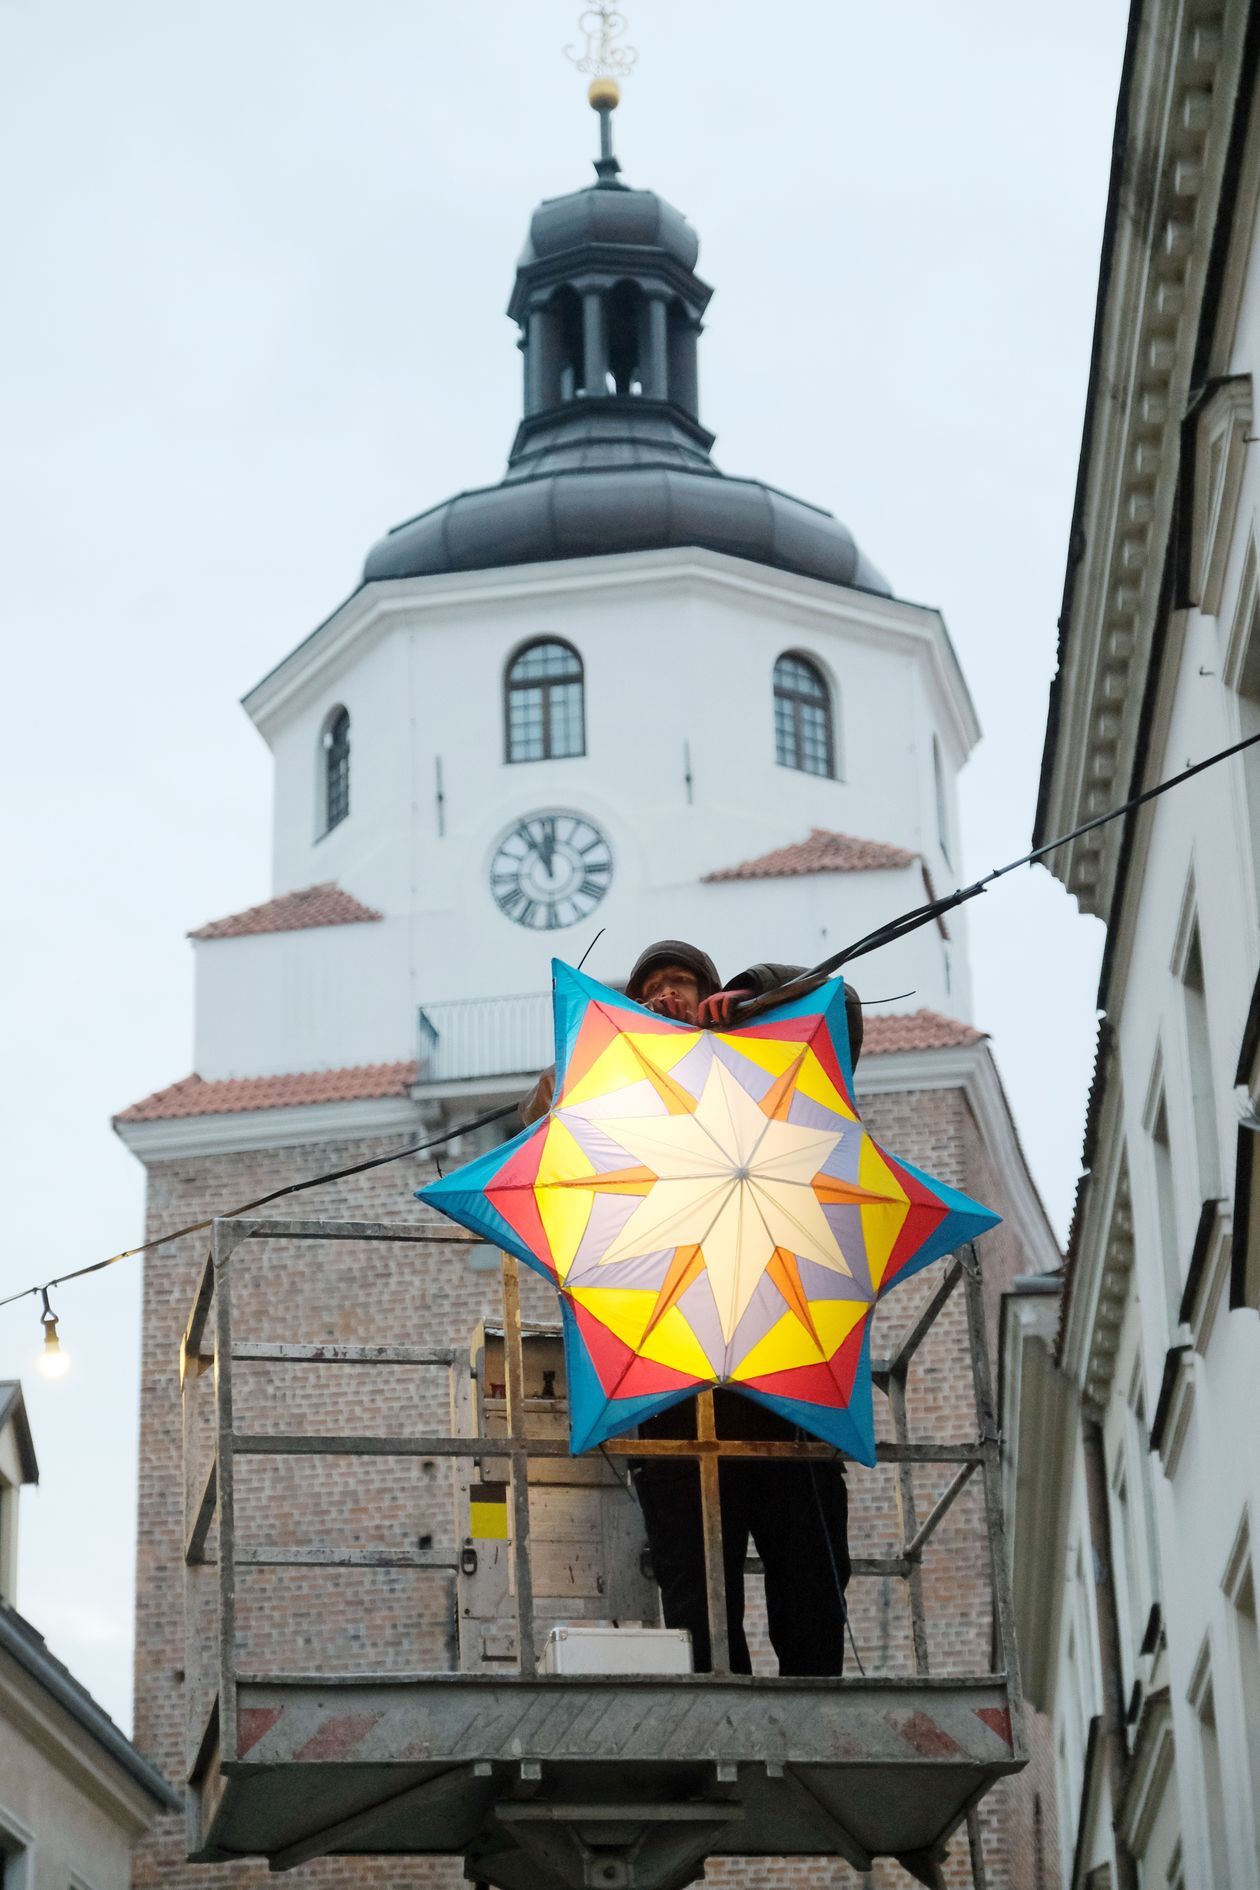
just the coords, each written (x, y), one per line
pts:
(543, 703)
(802, 717)
(336, 743)
(942, 802)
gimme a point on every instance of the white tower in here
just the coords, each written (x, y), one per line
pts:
(514, 732)
(619, 689)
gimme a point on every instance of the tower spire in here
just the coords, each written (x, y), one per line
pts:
(603, 54)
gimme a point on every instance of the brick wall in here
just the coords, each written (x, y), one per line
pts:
(310, 1620)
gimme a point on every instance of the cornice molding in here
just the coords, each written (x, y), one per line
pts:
(1039, 1425)
(375, 609)
(1102, 1261)
(971, 1068)
(269, 1128)
(1181, 113)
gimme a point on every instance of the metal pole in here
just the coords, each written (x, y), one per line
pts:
(909, 1519)
(1006, 1654)
(711, 1523)
(594, 350)
(975, 1847)
(514, 1360)
(223, 1242)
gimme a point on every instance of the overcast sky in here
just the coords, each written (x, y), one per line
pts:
(257, 257)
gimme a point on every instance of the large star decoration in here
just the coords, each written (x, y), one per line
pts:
(712, 1211)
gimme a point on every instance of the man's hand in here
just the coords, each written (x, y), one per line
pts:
(717, 1011)
(670, 1005)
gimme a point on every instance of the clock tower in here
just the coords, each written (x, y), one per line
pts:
(623, 693)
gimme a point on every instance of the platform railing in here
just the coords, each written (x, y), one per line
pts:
(209, 1342)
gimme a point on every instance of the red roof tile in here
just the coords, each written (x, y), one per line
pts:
(325, 904)
(238, 1095)
(915, 1030)
(823, 852)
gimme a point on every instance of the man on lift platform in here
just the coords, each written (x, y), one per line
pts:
(795, 1513)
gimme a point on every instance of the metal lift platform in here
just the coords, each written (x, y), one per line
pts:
(546, 1781)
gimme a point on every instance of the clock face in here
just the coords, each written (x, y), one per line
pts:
(550, 870)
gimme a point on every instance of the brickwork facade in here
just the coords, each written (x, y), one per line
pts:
(304, 1619)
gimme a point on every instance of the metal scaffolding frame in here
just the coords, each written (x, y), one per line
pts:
(481, 1763)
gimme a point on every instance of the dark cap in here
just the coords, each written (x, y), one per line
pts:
(673, 951)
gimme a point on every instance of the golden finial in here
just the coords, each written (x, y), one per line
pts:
(602, 54)
(603, 95)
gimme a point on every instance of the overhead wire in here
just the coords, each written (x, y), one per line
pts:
(265, 1200)
(806, 981)
(917, 916)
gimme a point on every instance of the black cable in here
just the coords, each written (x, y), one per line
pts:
(794, 987)
(835, 1567)
(923, 915)
(265, 1200)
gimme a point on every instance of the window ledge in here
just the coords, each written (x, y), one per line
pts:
(1208, 1271)
(1176, 1402)
(1150, 1769)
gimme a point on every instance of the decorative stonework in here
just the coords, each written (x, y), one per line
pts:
(1146, 337)
(1113, 1297)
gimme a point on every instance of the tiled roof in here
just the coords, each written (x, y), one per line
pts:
(823, 852)
(325, 904)
(238, 1095)
(915, 1030)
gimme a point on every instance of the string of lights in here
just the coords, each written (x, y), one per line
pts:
(54, 1361)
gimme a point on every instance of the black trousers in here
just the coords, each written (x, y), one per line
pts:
(797, 1516)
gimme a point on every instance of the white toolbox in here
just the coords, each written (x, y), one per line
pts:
(625, 1650)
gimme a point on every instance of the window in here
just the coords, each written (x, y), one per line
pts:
(1242, 676)
(544, 704)
(15, 1853)
(1202, 1085)
(1203, 1700)
(1240, 1589)
(1166, 1203)
(802, 717)
(336, 745)
(942, 804)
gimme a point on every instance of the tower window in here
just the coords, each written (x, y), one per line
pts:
(942, 801)
(544, 708)
(336, 742)
(802, 717)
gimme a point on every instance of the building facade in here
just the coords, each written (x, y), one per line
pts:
(510, 739)
(1131, 1397)
(75, 1794)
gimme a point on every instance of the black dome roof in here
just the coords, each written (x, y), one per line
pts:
(589, 511)
(610, 455)
(603, 215)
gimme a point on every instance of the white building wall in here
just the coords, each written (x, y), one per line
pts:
(327, 998)
(678, 651)
(1192, 868)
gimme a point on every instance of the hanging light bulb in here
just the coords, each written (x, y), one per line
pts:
(54, 1361)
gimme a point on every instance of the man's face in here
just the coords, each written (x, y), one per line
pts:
(673, 991)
